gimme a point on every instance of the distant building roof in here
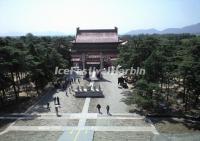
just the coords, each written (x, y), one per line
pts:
(97, 36)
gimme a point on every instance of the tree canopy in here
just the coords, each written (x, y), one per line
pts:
(31, 59)
(172, 69)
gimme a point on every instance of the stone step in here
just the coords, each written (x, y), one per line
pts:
(79, 135)
(121, 136)
(70, 116)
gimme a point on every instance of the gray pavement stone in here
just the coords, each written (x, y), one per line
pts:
(122, 136)
(113, 96)
(82, 135)
(69, 104)
(30, 136)
(47, 122)
(116, 122)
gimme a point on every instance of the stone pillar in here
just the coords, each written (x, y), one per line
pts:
(101, 60)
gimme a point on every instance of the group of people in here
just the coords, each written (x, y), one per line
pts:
(70, 81)
(67, 84)
(107, 109)
(56, 103)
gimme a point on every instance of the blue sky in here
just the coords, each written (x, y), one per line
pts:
(65, 15)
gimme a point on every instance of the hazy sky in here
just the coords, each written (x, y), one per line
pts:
(65, 15)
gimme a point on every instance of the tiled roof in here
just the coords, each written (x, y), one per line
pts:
(96, 36)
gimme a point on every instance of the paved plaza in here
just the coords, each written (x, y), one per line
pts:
(78, 119)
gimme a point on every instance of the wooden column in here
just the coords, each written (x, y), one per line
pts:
(83, 60)
(101, 60)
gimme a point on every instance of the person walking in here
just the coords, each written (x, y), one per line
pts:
(108, 109)
(99, 108)
(58, 100)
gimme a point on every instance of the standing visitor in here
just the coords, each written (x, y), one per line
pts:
(99, 108)
(108, 109)
(58, 100)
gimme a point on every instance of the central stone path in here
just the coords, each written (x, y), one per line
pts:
(79, 135)
(84, 113)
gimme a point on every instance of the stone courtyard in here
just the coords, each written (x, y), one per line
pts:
(78, 118)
